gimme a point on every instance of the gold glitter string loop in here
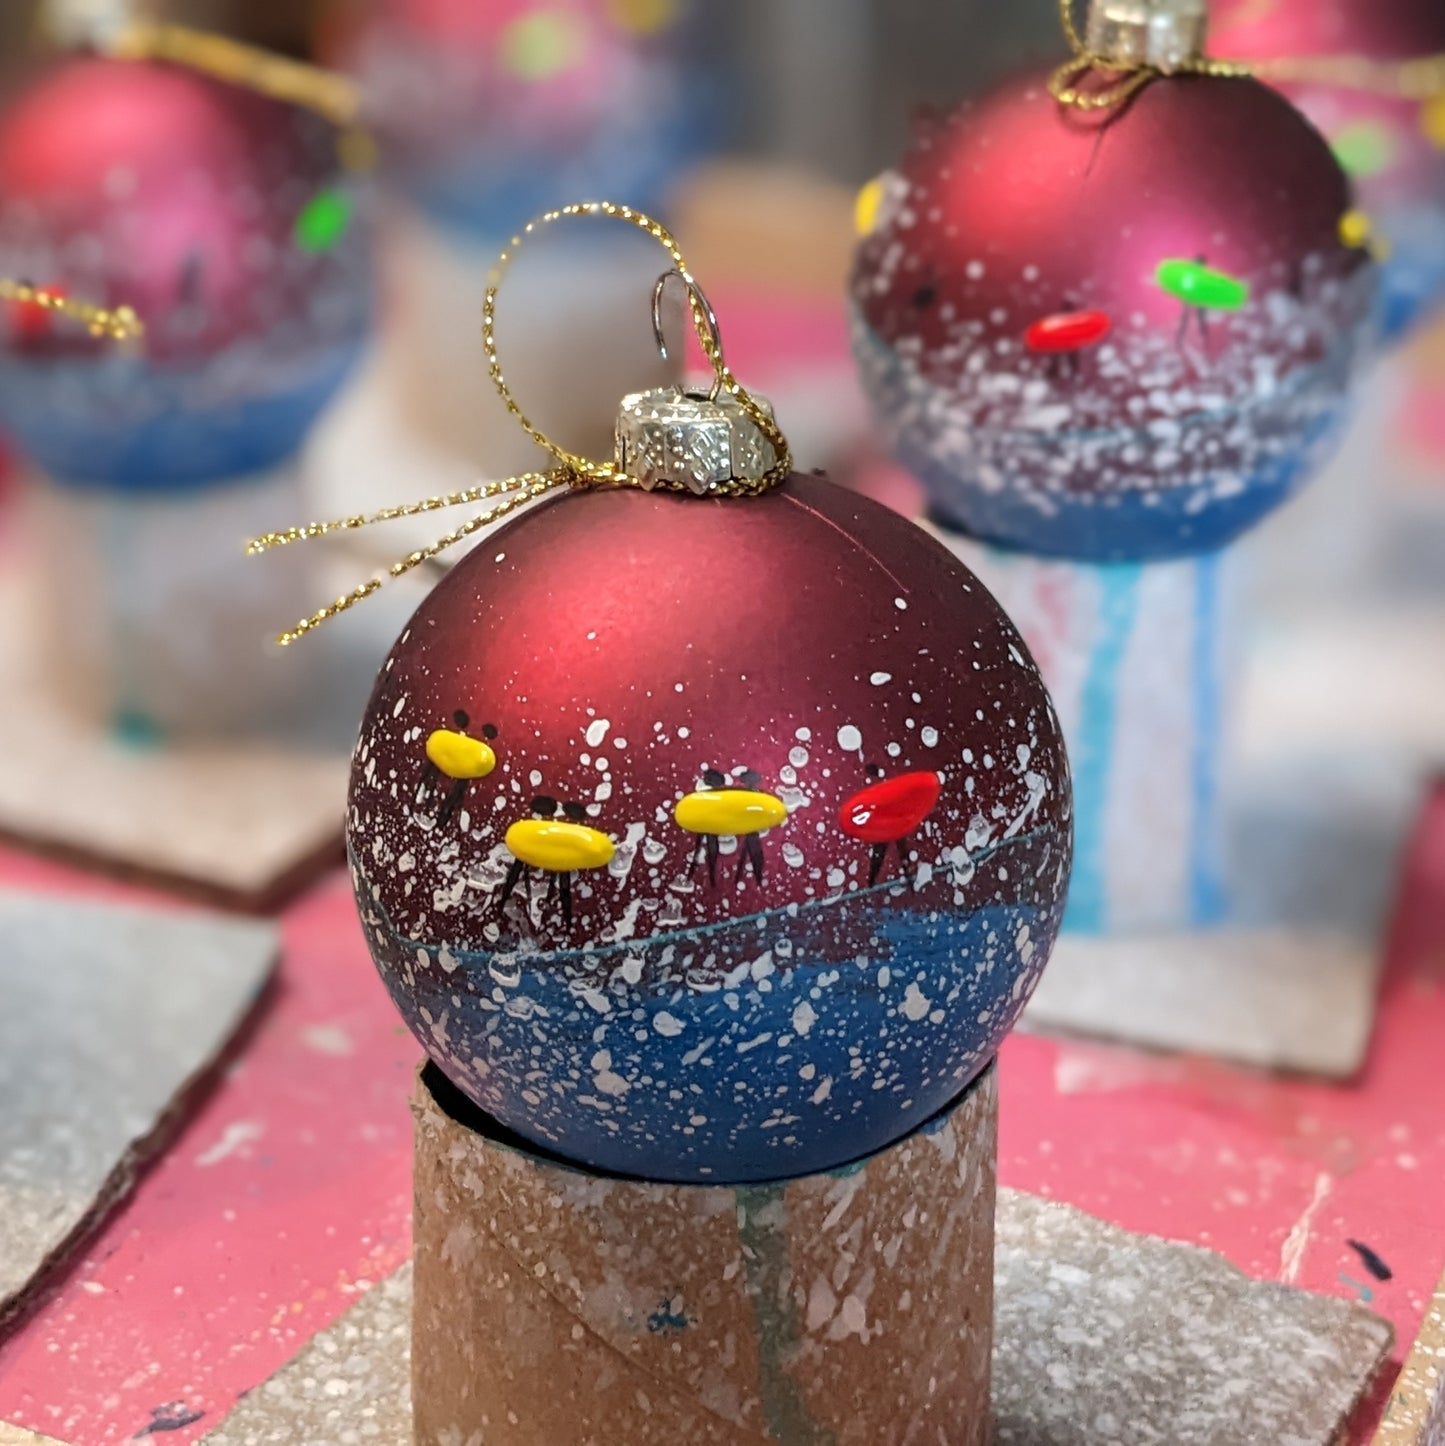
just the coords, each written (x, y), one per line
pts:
(704, 324)
(117, 324)
(1420, 79)
(570, 469)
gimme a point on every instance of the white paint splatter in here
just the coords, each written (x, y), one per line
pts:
(604, 1080)
(821, 1304)
(697, 1051)
(329, 1039)
(851, 1320)
(1292, 1252)
(235, 1137)
(916, 1003)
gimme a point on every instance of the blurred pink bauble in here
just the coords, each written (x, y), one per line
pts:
(1393, 148)
(488, 113)
(221, 218)
(1112, 336)
(160, 188)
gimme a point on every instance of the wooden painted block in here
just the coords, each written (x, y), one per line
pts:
(1231, 884)
(150, 618)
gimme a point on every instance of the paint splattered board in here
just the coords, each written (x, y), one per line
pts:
(290, 1191)
(1076, 1353)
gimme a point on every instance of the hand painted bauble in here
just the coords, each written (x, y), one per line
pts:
(490, 111)
(1125, 336)
(217, 215)
(765, 849)
(1393, 148)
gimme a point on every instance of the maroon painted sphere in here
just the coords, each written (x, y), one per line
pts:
(596, 828)
(1171, 421)
(485, 110)
(157, 187)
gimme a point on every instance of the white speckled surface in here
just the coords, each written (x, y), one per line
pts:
(351, 1385)
(107, 1016)
(1106, 1338)
(1103, 1337)
(1292, 983)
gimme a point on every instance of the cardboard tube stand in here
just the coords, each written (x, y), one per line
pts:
(555, 1307)
(158, 620)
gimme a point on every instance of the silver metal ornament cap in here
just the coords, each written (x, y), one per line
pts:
(93, 23)
(675, 437)
(1164, 34)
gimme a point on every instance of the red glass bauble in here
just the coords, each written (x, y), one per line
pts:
(1113, 336)
(193, 202)
(626, 912)
(487, 111)
(1393, 147)
(163, 189)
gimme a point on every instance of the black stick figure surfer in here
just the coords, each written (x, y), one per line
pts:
(454, 754)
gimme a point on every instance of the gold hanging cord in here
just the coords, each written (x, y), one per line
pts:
(570, 469)
(118, 324)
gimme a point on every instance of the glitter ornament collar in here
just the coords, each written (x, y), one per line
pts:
(735, 426)
(1135, 42)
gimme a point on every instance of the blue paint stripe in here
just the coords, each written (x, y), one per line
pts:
(1206, 863)
(1093, 751)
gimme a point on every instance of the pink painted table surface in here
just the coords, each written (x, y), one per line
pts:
(288, 1191)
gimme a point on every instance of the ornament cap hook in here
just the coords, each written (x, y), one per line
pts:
(673, 436)
(659, 294)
